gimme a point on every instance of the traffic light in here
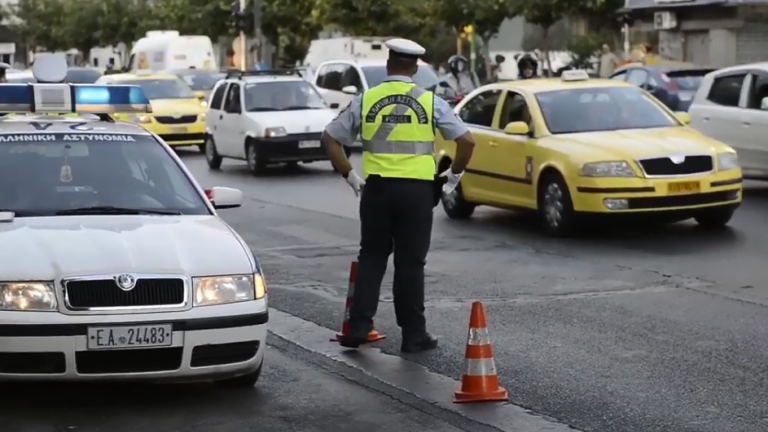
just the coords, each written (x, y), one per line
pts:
(468, 29)
(242, 21)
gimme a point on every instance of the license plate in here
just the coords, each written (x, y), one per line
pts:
(684, 188)
(157, 335)
(309, 144)
(179, 130)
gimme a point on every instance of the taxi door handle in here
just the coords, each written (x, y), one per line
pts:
(493, 144)
(221, 116)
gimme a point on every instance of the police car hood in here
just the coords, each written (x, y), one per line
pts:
(49, 248)
(295, 122)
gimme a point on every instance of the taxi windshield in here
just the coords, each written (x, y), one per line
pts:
(201, 81)
(162, 88)
(425, 77)
(601, 109)
(282, 96)
(47, 174)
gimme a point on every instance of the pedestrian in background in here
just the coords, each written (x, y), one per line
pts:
(398, 190)
(608, 62)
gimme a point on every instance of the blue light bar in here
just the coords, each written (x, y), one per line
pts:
(77, 98)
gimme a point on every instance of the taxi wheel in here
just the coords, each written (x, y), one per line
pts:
(715, 218)
(256, 164)
(555, 206)
(455, 206)
(211, 155)
(242, 381)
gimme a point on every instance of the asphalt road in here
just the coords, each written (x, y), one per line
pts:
(659, 330)
(295, 394)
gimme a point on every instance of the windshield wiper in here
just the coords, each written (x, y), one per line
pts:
(111, 210)
(21, 213)
(298, 107)
(261, 109)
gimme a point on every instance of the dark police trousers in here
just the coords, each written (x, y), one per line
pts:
(395, 215)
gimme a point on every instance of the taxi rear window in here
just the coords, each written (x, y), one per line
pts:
(597, 109)
(44, 173)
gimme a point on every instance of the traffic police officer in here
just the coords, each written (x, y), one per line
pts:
(396, 121)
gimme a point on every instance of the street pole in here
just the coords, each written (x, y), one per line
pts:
(472, 50)
(243, 42)
(257, 30)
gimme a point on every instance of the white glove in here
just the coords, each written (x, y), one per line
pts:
(355, 182)
(452, 181)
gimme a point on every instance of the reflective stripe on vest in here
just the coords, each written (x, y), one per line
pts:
(397, 131)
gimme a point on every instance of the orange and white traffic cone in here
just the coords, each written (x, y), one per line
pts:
(373, 336)
(480, 382)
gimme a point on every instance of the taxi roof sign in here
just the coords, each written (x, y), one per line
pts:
(575, 75)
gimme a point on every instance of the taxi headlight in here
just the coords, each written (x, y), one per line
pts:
(142, 119)
(202, 117)
(204, 103)
(607, 169)
(275, 132)
(216, 290)
(727, 161)
(27, 296)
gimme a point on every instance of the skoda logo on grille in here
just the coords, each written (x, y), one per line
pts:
(677, 159)
(125, 282)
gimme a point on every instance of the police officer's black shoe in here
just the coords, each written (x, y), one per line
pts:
(417, 344)
(353, 339)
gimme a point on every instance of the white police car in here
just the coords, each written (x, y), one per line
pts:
(266, 117)
(115, 264)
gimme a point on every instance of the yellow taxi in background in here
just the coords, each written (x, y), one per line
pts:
(575, 146)
(178, 115)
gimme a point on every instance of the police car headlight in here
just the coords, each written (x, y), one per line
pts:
(727, 161)
(275, 132)
(142, 119)
(27, 296)
(607, 169)
(217, 290)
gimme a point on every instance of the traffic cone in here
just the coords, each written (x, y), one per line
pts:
(480, 382)
(373, 336)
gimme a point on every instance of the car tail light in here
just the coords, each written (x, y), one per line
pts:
(671, 84)
(208, 193)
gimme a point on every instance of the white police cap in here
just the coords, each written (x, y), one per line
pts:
(406, 48)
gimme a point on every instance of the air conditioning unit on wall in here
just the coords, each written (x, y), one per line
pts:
(664, 20)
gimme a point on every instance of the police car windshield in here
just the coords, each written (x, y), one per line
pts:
(48, 173)
(201, 80)
(425, 77)
(601, 109)
(282, 96)
(164, 88)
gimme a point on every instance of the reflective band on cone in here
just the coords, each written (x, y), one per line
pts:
(480, 382)
(373, 335)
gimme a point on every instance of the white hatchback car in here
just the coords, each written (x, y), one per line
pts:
(266, 117)
(732, 106)
(116, 264)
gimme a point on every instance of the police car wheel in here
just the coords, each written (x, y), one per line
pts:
(256, 164)
(242, 381)
(211, 155)
(556, 206)
(455, 206)
(717, 218)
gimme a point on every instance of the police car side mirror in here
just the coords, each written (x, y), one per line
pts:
(225, 198)
(517, 128)
(350, 90)
(335, 106)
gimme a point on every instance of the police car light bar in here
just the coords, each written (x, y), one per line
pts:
(575, 75)
(74, 98)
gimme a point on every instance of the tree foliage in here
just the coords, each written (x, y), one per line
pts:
(39, 23)
(291, 25)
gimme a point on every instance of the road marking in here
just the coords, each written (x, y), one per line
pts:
(409, 376)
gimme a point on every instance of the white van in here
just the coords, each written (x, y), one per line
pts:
(346, 48)
(167, 49)
(731, 106)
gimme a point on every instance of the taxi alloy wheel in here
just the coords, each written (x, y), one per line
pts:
(255, 163)
(455, 206)
(211, 155)
(716, 218)
(555, 206)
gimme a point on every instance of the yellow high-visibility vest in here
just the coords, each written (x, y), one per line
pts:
(398, 131)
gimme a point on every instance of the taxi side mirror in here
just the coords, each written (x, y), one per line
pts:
(517, 128)
(200, 95)
(683, 117)
(224, 197)
(350, 90)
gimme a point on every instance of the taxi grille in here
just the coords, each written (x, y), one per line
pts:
(665, 167)
(86, 294)
(176, 120)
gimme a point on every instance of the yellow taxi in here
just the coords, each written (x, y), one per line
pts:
(178, 115)
(574, 146)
